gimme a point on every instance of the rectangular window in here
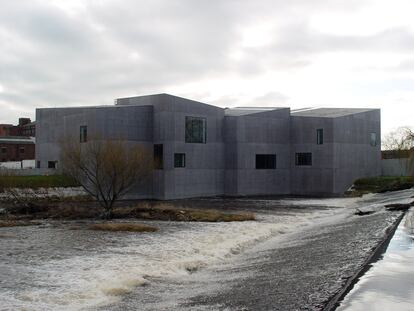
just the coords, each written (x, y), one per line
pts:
(21, 149)
(319, 136)
(83, 134)
(303, 159)
(179, 159)
(37, 164)
(265, 161)
(158, 157)
(373, 141)
(3, 150)
(51, 164)
(195, 130)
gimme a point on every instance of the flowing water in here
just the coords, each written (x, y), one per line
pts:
(389, 284)
(63, 266)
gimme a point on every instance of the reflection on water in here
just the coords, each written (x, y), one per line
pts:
(389, 284)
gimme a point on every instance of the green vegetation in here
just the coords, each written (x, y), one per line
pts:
(381, 184)
(169, 212)
(126, 227)
(35, 182)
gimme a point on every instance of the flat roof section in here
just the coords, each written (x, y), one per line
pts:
(15, 140)
(242, 111)
(328, 112)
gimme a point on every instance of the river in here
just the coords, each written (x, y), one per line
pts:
(61, 265)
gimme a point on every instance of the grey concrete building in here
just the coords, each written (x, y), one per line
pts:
(203, 150)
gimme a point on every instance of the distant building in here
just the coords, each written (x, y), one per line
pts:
(25, 128)
(203, 150)
(16, 149)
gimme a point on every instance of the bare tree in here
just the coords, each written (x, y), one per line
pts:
(401, 143)
(106, 169)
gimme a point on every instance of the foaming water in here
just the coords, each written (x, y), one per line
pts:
(53, 267)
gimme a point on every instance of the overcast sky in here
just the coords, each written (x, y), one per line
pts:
(296, 53)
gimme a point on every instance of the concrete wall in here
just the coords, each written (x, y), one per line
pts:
(318, 177)
(345, 155)
(203, 174)
(225, 164)
(395, 167)
(134, 124)
(259, 133)
(354, 157)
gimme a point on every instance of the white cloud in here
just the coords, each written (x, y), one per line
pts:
(295, 53)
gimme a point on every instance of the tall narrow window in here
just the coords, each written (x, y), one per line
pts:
(319, 136)
(83, 134)
(179, 159)
(265, 161)
(195, 130)
(158, 157)
(37, 164)
(303, 158)
(373, 141)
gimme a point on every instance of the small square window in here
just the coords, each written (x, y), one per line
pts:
(51, 164)
(179, 159)
(21, 149)
(83, 132)
(303, 158)
(319, 136)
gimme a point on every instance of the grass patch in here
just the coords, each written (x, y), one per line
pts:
(122, 227)
(169, 212)
(382, 184)
(35, 182)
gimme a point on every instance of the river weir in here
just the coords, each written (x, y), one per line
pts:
(296, 255)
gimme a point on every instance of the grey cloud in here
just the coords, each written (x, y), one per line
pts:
(115, 49)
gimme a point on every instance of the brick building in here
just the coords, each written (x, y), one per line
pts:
(16, 149)
(25, 128)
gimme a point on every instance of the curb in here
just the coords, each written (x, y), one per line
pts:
(380, 249)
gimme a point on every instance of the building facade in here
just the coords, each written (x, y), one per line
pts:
(13, 149)
(25, 128)
(203, 150)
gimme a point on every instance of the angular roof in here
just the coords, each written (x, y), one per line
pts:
(328, 112)
(242, 111)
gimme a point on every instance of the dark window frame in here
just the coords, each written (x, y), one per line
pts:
(83, 133)
(179, 160)
(303, 159)
(195, 130)
(158, 156)
(21, 150)
(266, 161)
(319, 136)
(51, 164)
